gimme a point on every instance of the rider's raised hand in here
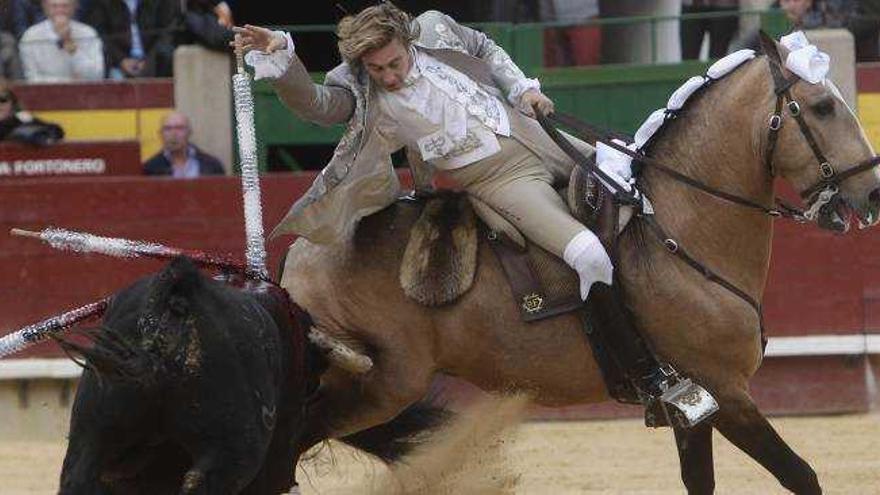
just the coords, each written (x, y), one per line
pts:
(259, 38)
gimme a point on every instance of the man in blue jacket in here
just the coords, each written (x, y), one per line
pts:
(179, 157)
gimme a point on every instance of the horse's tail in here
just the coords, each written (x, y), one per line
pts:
(137, 354)
(392, 440)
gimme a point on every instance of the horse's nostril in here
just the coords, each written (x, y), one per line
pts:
(874, 197)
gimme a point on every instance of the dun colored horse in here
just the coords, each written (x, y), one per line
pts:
(720, 139)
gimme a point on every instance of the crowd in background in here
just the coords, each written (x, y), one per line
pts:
(68, 40)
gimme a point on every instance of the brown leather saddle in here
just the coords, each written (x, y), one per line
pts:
(543, 285)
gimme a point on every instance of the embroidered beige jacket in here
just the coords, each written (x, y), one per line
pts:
(360, 180)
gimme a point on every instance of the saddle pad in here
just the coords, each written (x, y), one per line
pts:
(440, 259)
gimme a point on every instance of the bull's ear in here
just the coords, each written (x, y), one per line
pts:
(768, 46)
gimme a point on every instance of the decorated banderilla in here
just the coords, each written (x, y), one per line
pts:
(255, 253)
(37, 332)
(81, 242)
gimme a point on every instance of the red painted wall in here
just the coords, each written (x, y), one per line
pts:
(21, 161)
(37, 281)
(819, 283)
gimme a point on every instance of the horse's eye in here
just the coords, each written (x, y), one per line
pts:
(824, 108)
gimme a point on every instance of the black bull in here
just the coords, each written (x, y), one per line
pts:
(192, 385)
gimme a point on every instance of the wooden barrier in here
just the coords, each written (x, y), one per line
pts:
(70, 158)
(821, 286)
(103, 110)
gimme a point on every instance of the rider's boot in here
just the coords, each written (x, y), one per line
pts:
(656, 384)
(666, 395)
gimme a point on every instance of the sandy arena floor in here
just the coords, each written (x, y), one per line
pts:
(595, 457)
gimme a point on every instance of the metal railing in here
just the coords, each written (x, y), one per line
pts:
(525, 41)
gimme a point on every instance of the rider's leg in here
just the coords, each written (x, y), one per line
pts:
(517, 185)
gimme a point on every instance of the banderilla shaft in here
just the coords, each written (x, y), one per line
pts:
(82, 242)
(32, 334)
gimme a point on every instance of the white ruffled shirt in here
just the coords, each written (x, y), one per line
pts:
(442, 113)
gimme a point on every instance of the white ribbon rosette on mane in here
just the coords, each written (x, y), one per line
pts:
(804, 58)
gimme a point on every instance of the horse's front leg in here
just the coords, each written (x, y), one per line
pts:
(742, 423)
(695, 456)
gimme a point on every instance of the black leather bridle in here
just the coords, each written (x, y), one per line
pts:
(823, 191)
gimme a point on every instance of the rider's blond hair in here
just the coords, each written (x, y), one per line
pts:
(372, 28)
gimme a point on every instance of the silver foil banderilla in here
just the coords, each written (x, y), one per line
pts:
(37, 332)
(82, 242)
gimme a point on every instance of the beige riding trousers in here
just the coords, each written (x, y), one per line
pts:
(517, 185)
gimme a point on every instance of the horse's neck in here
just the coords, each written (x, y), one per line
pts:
(716, 141)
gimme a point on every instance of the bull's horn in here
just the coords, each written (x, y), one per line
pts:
(340, 354)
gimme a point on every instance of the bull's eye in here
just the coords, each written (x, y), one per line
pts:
(824, 108)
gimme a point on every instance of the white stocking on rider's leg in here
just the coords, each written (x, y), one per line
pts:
(587, 256)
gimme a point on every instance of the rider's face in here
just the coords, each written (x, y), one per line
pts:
(388, 65)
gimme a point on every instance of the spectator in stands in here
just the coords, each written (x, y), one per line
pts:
(719, 29)
(577, 43)
(18, 125)
(207, 23)
(24, 14)
(802, 14)
(61, 49)
(862, 18)
(10, 65)
(8, 110)
(138, 35)
(179, 157)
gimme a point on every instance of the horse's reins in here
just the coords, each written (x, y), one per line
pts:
(591, 133)
(817, 195)
(633, 198)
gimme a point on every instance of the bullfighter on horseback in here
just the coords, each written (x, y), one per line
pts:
(455, 101)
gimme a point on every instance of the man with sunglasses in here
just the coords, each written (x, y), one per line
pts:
(21, 126)
(8, 118)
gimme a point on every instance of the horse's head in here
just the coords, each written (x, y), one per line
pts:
(814, 140)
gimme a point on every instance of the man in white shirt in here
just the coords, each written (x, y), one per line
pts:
(452, 98)
(60, 49)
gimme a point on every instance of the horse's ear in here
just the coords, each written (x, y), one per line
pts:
(768, 46)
